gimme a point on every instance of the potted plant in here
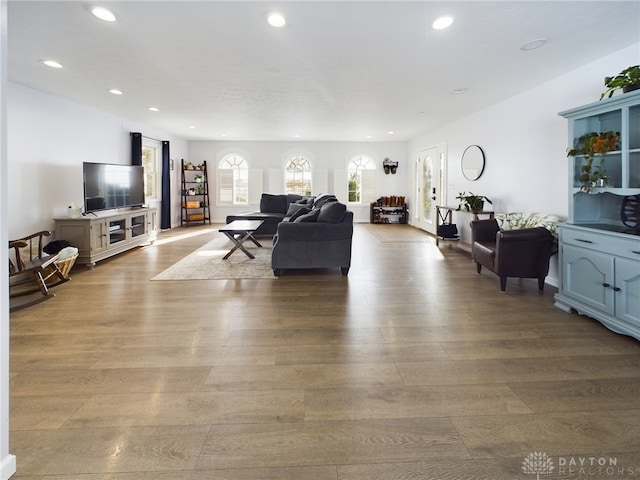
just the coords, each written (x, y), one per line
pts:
(588, 145)
(471, 202)
(627, 80)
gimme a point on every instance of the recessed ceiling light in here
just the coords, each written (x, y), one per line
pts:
(153, 109)
(391, 132)
(115, 91)
(223, 134)
(533, 44)
(442, 23)
(103, 14)
(192, 126)
(51, 63)
(369, 136)
(458, 91)
(276, 20)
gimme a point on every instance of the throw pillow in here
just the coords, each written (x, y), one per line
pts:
(312, 216)
(332, 212)
(273, 203)
(293, 208)
(322, 199)
(299, 212)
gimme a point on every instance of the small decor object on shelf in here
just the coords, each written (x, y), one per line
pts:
(471, 202)
(628, 80)
(588, 145)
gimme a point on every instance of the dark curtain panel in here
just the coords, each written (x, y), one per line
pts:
(136, 148)
(165, 214)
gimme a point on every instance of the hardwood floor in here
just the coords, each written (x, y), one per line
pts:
(412, 367)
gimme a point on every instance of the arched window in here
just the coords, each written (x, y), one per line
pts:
(362, 179)
(297, 175)
(233, 180)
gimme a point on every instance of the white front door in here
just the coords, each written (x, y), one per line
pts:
(431, 166)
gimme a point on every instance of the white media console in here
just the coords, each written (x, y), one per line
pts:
(104, 234)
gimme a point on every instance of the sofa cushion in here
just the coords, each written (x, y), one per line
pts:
(293, 208)
(320, 200)
(273, 203)
(293, 198)
(297, 213)
(312, 216)
(306, 200)
(332, 212)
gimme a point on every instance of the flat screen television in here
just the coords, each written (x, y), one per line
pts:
(109, 186)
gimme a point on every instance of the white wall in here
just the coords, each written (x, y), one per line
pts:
(330, 156)
(525, 143)
(7, 461)
(524, 139)
(48, 139)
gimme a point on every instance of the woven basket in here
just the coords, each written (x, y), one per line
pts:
(64, 266)
(195, 217)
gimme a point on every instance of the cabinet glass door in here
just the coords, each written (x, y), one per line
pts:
(634, 147)
(117, 232)
(138, 225)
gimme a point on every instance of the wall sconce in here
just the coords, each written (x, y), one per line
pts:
(389, 166)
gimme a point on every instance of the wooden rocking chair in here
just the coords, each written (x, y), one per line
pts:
(28, 266)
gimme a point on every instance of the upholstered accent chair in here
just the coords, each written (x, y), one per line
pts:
(522, 253)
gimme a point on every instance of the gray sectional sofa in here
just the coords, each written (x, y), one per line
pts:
(309, 232)
(273, 209)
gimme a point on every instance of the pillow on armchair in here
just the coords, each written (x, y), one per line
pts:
(520, 220)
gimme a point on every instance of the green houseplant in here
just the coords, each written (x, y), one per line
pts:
(588, 145)
(471, 202)
(627, 80)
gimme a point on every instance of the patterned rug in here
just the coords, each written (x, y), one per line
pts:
(206, 263)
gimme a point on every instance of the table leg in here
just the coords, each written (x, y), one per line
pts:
(238, 244)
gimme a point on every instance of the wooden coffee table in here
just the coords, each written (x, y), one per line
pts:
(239, 231)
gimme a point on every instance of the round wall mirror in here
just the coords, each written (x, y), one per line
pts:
(472, 162)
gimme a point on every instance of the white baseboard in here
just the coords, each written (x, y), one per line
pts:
(7, 467)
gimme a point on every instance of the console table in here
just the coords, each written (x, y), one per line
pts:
(445, 215)
(107, 233)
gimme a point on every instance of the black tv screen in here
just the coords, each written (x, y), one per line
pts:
(112, 186)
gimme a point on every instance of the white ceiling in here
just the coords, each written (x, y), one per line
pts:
(339, 70)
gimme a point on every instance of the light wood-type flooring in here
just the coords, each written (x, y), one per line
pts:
(412, 367)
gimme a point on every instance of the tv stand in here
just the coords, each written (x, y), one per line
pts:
(108, 233)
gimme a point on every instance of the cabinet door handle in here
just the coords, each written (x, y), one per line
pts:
(637, 252)
(606, 285)
(616, 289)
(583, 241)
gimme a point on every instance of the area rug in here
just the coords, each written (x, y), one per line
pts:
(394, 233)
(206, 263)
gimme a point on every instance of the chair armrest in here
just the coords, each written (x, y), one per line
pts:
(523, 252)
(484, 230)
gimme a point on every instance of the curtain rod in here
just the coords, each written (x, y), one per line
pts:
(151, 138)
